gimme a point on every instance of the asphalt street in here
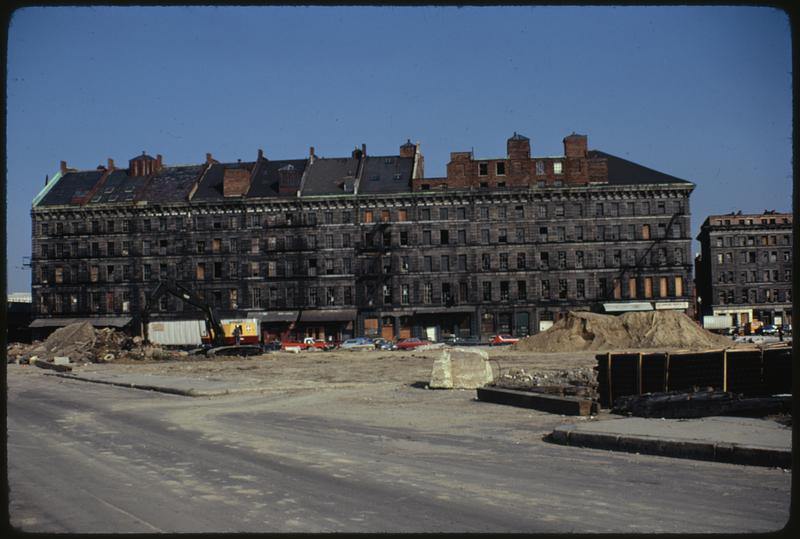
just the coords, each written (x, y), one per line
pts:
(87, 458)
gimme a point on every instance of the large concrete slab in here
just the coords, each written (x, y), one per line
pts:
(737, 440)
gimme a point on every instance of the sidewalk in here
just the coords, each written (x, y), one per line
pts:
(737, 440)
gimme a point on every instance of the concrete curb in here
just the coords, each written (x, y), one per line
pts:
(191, 392)
(699, 450)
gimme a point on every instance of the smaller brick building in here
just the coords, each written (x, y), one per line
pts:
(745, 267)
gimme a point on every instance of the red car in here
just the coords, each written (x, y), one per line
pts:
(503, 339)
(411, 343)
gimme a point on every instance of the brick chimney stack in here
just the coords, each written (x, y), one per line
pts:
(110, 166)
(63, 167)
(518, 147)
(209, 159)
(311, 156)
(364, 150)
(576, 145)
(158, 161)
(407, 149)
(260, 154)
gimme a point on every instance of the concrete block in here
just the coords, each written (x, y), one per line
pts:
(459, 368)
(61, 360)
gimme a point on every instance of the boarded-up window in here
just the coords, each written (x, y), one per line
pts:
(367, 216)
(216, 245)
(645, 232)
(384, 216)
(402, 215)
(678, 285)
(370, 326)
(59, 276)
(617, 289)
(648, 287)
(662, 287)
(94, 273)
(201, 271)
(632, 288)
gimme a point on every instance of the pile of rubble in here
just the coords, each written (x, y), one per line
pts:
(652, 329)
(83, 343)
(580, 382)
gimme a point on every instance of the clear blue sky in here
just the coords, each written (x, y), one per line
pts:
(701, 93)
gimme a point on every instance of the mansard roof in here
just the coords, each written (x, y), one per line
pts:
(326, 175)
(320, 177)
(386, 174)
(624, 172)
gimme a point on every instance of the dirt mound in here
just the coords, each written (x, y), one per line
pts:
(651, 329)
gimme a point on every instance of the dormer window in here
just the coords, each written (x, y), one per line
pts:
(483, 169)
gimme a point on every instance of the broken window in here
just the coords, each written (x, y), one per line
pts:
(503, 261)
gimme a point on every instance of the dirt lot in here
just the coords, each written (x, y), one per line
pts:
(321, 369)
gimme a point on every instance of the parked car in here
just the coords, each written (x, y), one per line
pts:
(383, 344)
(503, 339)
(305, 344)
(358, 343)
(463, 341)
(410, 343)
(769, 329)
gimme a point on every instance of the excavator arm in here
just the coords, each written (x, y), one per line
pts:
(213, 325)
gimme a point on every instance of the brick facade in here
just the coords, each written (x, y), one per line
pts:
(745, 267)
(456, 257)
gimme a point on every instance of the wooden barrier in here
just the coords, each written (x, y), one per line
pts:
(750, 372)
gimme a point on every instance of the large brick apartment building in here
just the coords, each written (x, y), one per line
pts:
(745, 267)
(365, 244)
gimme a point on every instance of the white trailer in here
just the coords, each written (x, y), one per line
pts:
(717, 322)
(177, 332)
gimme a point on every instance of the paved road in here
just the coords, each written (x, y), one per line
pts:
(87, 457)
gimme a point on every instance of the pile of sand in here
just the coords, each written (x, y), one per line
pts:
(651, 329)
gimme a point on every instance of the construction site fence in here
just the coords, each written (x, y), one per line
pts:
(750, 372)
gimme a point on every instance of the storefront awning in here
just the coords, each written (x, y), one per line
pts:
(108, 321)
(662, 305)
(444, 310)
(275, 316)
(622, 307)
(340, 315)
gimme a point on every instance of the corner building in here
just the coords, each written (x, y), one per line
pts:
(745, 267)
(365, 245)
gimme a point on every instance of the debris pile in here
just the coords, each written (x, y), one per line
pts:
(652, 329)
(580, 382)
(83, 343)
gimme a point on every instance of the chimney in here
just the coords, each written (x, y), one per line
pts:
(576, 145)
(407, 149)
(63, 167)
(260, 154)
(110, 166)
(364, 150)
(46, 178)
(209, 159)
(518, 147)
(158, 161)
